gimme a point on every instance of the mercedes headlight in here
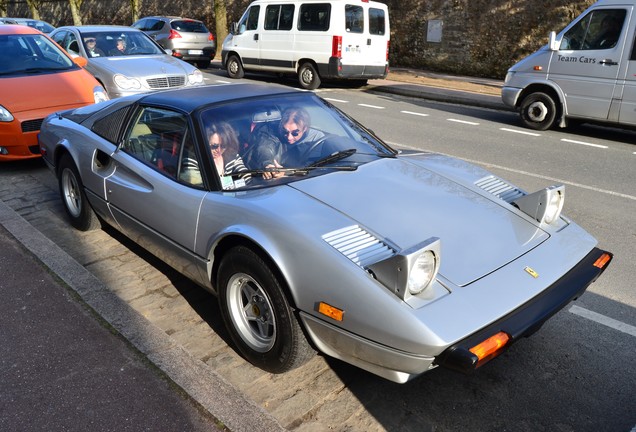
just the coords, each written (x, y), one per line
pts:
(125, 83)
(195, 77)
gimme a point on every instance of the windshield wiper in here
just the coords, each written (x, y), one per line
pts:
(293, 171)
(333, 157)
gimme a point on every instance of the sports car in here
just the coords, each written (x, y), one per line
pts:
(395, 262)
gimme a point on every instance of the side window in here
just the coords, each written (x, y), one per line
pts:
(598, 30)
(249, 20)
(314, 17)
(71, 45)
(162, 139)
(376, 21)
(354, 19)
(279, 17)
(59, 38)
(141, 25)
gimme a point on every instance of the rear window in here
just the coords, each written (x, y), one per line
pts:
(354, 19)
(189, 26)
(314, 17)
(376, 21)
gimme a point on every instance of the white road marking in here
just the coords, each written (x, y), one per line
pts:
(463, 122)
(602, 319)
(336, 100)
(371, 106)
(516, 171)
(583, 143)
(223, 82)
(415, 113)
(520, 132)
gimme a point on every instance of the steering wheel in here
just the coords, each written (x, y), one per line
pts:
(311, 148)
(134, 50)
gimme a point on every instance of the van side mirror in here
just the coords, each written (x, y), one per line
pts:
(553, 44)
(234, 28)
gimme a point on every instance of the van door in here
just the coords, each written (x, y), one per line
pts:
(354, 40)
(589, 60)
(628, 105)
(277, 38)
(246, 41)
(378, 39)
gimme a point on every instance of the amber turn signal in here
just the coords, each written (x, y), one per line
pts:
(490, 348)
(330, 311)
(603, 260)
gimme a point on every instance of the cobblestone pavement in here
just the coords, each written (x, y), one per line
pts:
(319, 396)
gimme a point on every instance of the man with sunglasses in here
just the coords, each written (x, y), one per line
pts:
(91, 47)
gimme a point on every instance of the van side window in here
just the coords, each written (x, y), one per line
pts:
(279, 17)
(354, 19)
(314, 17)
(376, 21)
(250, 19)
(598, 30)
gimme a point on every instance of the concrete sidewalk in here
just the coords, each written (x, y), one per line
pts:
(75, 357)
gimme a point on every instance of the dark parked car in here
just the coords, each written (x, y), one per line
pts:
(40, 25)
(189, 39)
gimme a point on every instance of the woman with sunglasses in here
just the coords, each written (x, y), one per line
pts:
(91, 47)
(224, 146)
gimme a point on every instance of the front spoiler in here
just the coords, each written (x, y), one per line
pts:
(528, 318)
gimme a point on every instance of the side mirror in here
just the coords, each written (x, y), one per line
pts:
(554, 44)
(80, 61)
(234, 29)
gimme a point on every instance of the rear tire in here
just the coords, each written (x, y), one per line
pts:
(79, 211)
(234, 67)
(538, 111)
(308, 77)
(257, 314)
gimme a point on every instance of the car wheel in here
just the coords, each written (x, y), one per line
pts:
(203, 64)
(77, 208)
(257, 314)
(308, 77)
(538, 111)
(234, 67)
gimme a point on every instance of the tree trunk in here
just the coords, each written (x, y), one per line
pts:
(75, 11)
(134, 10)
(33, 7)
(220, 19)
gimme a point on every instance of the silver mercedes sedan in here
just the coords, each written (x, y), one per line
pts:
(125, 60)
(315, 234)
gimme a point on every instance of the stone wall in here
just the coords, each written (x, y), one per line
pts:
(478, 37)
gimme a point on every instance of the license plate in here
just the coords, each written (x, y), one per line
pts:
(195, 52)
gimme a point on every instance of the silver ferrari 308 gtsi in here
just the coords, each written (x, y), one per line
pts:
(316, 235)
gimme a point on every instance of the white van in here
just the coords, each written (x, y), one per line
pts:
(586, 73)
(315, 39)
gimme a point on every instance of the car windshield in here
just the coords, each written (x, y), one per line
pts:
(289, 138)
(31, 54)
(120, 43)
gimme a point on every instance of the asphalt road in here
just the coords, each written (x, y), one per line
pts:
(575, 374)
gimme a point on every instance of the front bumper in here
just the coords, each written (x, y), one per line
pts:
(16, 144)
(510, 96)
(528, 318)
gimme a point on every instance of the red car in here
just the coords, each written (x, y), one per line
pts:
(37, 78)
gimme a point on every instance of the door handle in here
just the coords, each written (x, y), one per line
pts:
(608, 62)
(255, 36)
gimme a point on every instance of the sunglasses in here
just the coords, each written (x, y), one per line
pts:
(293, 133)
(215, 146)
(91, 40)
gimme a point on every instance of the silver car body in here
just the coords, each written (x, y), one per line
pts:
(500, 267)
(186, 38)
(147, 69)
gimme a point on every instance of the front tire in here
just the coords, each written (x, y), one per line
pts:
(538, 111)
(308, 77)
(257, 314)
(234, 67)
(79, 211)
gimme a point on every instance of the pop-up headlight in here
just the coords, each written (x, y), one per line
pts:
(544, 206)
(411, 273)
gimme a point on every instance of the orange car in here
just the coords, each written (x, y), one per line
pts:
(37, 78)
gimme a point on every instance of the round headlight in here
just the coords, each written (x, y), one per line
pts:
(422, 272)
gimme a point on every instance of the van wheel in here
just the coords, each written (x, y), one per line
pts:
(234, 67)
(308, 77)
(538, 111)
